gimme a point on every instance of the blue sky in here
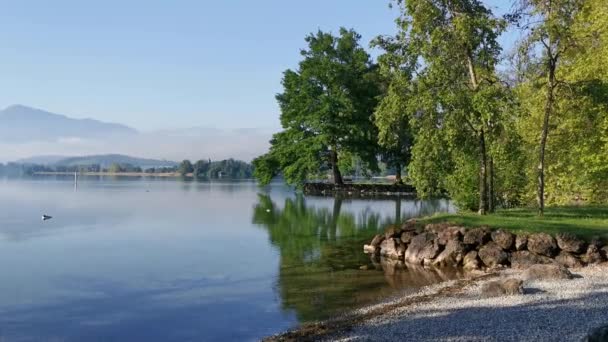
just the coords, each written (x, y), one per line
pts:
(157, 64)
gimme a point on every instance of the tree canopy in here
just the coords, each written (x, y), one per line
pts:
(326, 111)
(436, 104)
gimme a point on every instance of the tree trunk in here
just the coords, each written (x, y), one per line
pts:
(398, 179)
(491, 199)
(483, 178)
(544, 133)
(335, 169)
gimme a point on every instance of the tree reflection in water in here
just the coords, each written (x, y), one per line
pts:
(321, 255)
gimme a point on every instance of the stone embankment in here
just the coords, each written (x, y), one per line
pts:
(445, 245)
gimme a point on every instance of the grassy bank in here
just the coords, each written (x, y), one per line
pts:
(584, 221)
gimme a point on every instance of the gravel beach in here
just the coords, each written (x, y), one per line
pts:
(550, 310)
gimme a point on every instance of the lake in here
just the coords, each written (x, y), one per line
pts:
(166, 259)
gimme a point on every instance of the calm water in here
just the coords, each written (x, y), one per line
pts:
(141, 259)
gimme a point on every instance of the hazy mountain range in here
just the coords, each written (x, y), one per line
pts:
(103, 160)
(27, 132)
(20, 123)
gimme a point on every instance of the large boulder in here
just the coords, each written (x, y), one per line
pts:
(435, 228)
(524, 259)
(596, 241)
(422, 249)
(503, 238)
(409, 225)
(593, 255)
(392, 231)
(369, 249)
(570, 243)
(521, 241)
(452, 255)
(604, 252)
(492, 255)
(449, 233)
(476, 236)
(506, 287)
(542, 244)
(547, 272)
(568, 260)
(470, 261)
(390, 248)
(377, 240)
(407, 236)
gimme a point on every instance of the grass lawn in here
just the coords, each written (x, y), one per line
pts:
(584, 221)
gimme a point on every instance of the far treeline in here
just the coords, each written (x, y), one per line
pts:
(448, 106)
(229, 168)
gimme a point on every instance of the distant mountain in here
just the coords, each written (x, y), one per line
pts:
(41, 160)
(20, 123)
(105, 160)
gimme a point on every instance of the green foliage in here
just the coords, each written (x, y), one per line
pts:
(185, 167)
(115, 168)
(326, 110)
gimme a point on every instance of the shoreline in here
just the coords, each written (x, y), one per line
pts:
(548, 310)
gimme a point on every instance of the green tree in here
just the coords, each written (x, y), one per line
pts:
(549, 26)
(457, 91)
(200, 168)
(392, 114)
(326, 111)
(115, 168)
(185, 167)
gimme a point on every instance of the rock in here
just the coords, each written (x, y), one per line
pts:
(542, 244)
(503, 238)
(568, 260)
(377, 240)
(449, 234)
(369, 249)
(524, 259)
(604, 252)
(492, 255)
(521, 242)
(545, 272)
(435, 228)
(390, 248)
(391, 232)
(452, 255)
(471, 261)
(407, 236)
(507, 287)
(476, 236)
(422, 249)
(570, 243)
(598, 334)
(409, 225)
(596, 241)
(593, 255)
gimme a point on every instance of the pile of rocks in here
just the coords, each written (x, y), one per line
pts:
(444, 245)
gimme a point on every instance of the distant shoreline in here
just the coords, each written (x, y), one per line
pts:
(126, 174)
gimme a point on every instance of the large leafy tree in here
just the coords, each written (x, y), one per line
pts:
(393, 113)
(457, 92)
(564, 96)
(326, 111)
